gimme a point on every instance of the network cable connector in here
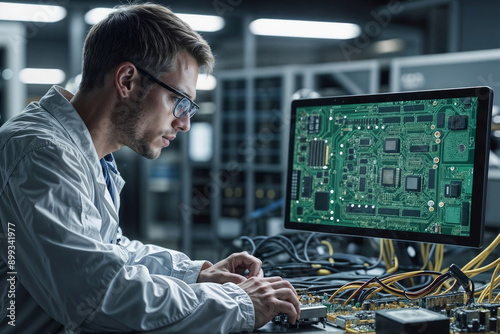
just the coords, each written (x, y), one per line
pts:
(309, 315)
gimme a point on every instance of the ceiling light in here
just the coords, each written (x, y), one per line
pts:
(206, 82)
(34, 13)
(47, 76)
(208, 23)
(306, 29)
(389, 45)
(97, 14)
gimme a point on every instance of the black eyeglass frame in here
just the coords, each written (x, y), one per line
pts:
(192, 106)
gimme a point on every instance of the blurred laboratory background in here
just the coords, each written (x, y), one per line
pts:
(225, 177)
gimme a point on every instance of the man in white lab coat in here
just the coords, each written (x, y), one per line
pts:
(63, 259)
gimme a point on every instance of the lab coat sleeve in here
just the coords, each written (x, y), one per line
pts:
(85, 283)
(162, 261)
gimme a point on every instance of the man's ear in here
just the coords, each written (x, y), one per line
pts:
(126, 79)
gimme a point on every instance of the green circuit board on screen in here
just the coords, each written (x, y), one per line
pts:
(405, 166)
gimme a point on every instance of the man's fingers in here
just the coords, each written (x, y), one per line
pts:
(243, 261)
(291, 300)
(281, 284)
(289, 309)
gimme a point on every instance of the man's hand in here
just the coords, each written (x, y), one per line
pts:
(271, 296)
(231, 268)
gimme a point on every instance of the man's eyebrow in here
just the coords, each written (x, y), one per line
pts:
(184, 92)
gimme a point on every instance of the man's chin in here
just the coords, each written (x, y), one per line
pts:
(147, 151)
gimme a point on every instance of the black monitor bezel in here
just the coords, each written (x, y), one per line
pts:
(481, 160)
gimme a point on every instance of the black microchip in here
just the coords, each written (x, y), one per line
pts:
(395, 119)
(388, 211)
(434, 148)
(303, 148)
(408, 119)
(325, 180)
(319, 174)
(349, 184)
(424, 118)
(350, 167)
(302, 159)
(453, 190)
(415, 107)
(419, 148)
(413, 183)
(306, 186)
(458, 122)
(351, 151)
(440, 119)
(465, 213)
(432, 176)
(351, 157)
(313, 124)
(321, 201)
(410, 213)
(364, 142)
(362, 170)
(391, 145)
(363, 161)
(303, 139)
(389, 177)
(390, 109)
(300, 211)
(325, 173)
(344, 176)
(362, 184)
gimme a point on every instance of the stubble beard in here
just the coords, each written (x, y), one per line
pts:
(128, 124)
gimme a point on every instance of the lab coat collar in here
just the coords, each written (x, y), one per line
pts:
(56, 102)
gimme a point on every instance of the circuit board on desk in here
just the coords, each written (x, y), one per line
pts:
(424, 315)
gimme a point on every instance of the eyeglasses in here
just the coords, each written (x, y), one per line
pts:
(183, 105)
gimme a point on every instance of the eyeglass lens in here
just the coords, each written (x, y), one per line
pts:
(183, 107)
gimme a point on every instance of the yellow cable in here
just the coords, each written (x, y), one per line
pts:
(393, 269)
(423, 250)
(493, 279)
(391, 262)
(473, 272)
(330, 250)
(439, 257)
(384, 253)
(483, 255)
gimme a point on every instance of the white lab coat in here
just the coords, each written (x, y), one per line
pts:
(69, 268)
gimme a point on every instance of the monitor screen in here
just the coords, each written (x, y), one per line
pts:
(408, 166)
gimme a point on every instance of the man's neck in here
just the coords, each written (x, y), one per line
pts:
(95, 108)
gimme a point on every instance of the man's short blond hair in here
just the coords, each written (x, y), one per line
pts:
(149, 35)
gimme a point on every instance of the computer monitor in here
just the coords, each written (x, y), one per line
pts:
(407, 166)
